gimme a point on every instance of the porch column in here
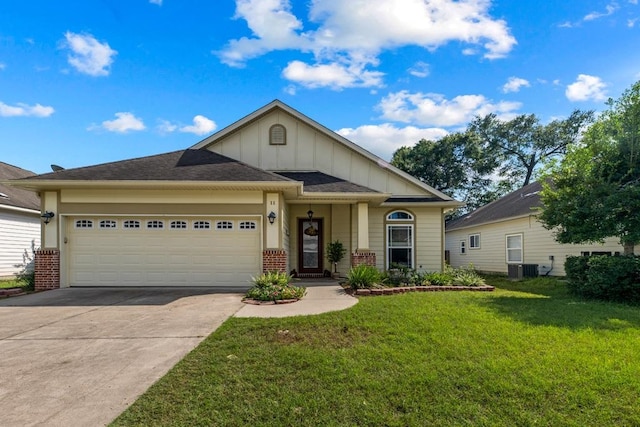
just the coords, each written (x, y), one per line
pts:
(363, 227)
(363, 255)
(47, 259)
(274, 257)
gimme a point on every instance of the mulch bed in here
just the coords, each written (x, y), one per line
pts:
(278, 301)
(11, 292)
(405, 289)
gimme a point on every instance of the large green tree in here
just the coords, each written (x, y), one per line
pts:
(594, 192)
(523, 144)
(455, 165)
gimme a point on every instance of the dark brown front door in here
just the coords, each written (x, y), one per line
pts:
(310, 246)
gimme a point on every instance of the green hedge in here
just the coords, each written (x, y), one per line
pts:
(609, 278)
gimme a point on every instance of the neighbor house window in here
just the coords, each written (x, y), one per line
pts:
(247, 225)
(155, 224)
(178, 225)
(108, 223)
(224, 225)
(131, 223)
(84, 223)
(474, 241)
(277, 135)
(514, 248)
(201, 225)
(463, 247)
(400, 250)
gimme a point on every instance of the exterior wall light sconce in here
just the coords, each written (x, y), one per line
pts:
(46, 216)
(271, 217)
(310, 214)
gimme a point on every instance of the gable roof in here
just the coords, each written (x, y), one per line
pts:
(277, 104)
(183, 165)
(17, 197)
(521, 202)
(318, 182)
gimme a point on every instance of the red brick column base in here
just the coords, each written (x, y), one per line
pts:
(368, 258)
(47, 269)
(274, 260)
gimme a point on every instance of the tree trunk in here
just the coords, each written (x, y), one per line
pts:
(629, 248)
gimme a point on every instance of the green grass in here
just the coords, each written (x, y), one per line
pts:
(526, 354)
(10, 283)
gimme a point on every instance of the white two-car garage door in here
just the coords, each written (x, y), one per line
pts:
(163, 251)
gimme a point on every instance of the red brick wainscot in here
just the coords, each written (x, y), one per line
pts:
(367, 258)
(47, 269)
(274, 260)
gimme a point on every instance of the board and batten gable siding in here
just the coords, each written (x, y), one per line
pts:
(538, 244)
(308, 149)
(17, 232)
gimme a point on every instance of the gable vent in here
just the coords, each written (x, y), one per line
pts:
(277, 135)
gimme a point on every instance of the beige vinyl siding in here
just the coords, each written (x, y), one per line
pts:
(340, 230)
(17, 231)
(309, 149)
(538, 244)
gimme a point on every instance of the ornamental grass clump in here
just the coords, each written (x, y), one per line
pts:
(363, 276)
(274, 286)
(467, 276)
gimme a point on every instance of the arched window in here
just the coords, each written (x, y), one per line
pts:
(277, 135)
(400, 240)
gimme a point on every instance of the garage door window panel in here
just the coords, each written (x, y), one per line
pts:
(155, 225)
(178, 225)
(248, 225)
(201, 225)
(131, 224)
(84, 223)
(224, 225)
(108, 223)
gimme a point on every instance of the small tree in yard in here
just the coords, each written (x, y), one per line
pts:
(594, 193)
(335, 253)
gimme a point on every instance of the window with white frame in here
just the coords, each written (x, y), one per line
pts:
(400, 239)
(108, 223)
(84, 223)
(201, 225)
(514, 248)
(155, 224)
(224, 225)
(247, 225)
(178, 225)
(474, 241)
(131, 223)
(463, 247)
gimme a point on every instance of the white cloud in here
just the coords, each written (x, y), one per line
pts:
(124, 123)
(610, 10)
(333, 75)
(3, 65)
(420, 69)
(432, 109)
(383, 140)
(514, 84)
(158, 2)
(586, 88)
(88, 55)
(166, 126)
(632, 22)
(201, 126)
(25, 110)
(351, 34)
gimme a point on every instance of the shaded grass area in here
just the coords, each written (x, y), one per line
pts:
(526, 354)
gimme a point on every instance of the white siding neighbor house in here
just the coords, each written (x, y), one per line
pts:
(266, 193)
(19, 221)
(507, 233)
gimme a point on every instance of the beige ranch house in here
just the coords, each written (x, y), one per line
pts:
(266, 193)
(502, 235)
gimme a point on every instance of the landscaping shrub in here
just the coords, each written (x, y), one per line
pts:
(400, 275)
(273, 286)
(609, 278)
(27, 275)
(363, 276)
(467, 276)
(437, 279)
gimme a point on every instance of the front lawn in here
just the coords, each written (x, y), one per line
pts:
(525, 354)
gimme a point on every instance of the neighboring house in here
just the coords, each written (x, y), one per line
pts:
(507, 232)
(266, 193)
(19, 221)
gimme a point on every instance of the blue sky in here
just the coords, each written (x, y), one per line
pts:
(89, 82)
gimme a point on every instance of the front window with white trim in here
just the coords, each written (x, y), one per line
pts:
(400, 240)
(474, 241)
(514, 248)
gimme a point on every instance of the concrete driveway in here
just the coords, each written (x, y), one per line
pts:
(79, 357)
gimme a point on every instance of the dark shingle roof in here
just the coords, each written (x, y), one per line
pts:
(520, 202)
(410, 199)
(183, 165)
(318, 182)
(17, 197)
